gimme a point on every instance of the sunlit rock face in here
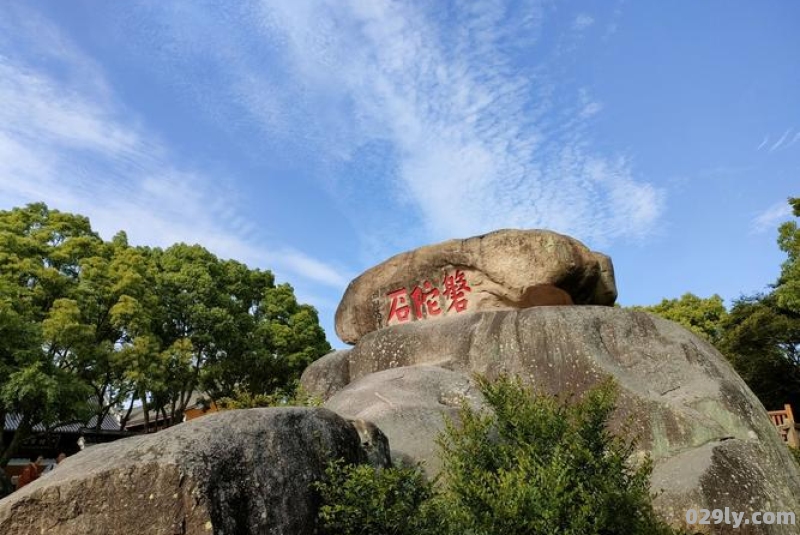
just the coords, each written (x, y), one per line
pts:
(506, 269)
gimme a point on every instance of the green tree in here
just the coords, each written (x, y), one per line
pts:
(762, 342)
(704, 316)
(226, 328)
(787, 290)
(44, 336)
(360, 500)
(761, 336)
(285, 339)
(87, 325)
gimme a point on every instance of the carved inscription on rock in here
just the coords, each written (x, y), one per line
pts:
(427, 300)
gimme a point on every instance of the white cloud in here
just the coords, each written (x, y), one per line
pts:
(476, 141)
(65, 140)
(770, 218)
(778, 143)
(582, 21)
(794, 140)
(480, 146)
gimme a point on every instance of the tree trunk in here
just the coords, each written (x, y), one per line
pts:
(164, 421)
(124, 421)
(100, 412)
(146, 411)
(5, 482)
(22, 432)
(2, 431)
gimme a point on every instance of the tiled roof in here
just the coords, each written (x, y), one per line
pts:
(109, 424)
(137, 414)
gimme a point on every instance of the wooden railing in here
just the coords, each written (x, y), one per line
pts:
(784, 421)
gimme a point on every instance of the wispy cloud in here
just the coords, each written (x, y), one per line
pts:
(583, 21)
(770, 218)
(66, 141)
(470, 141)
(784, 141)
(794, 140)
(779, 143)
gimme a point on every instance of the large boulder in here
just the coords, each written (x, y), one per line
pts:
(409, 404)
(710, 438)
(501, 270)
(327, 376)
(237, 472)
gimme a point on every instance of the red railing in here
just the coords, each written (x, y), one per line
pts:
(784, 421)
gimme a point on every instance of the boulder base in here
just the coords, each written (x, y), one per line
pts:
(710, 438)
(231, 473)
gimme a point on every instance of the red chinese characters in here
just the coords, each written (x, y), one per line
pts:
(399, 308)
(426, 300)
(455, 289)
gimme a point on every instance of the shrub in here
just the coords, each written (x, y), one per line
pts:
(534, 465)
(294, 397)
(530, 465)
(360, 500)
(795, 454)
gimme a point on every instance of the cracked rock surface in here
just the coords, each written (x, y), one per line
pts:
(711, 440)
(232, 473)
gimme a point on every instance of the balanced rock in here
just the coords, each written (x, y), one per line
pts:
(246, 471)
(500, 270)
(712, 443)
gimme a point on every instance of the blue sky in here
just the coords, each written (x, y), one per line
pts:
(318, 138)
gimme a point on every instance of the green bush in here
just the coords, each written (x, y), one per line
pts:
(535, 465)
(530, 465)
(295, 396)
(360, 500)
(795, 454)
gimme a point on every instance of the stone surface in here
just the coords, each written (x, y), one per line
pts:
(230, 473)
(711, 440)
(408, 404)
(374, 443)
(503, 269)
(327, 375)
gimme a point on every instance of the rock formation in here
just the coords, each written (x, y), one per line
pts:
(504, 303)
(231, 473)
(711, 440)
(500, 270)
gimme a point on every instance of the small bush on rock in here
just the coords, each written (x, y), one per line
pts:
(360, 500)
(530, 465)
(795, 454)
(535, 465)
(291, 397)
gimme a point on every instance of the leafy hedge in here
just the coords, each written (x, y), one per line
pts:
(531, 465)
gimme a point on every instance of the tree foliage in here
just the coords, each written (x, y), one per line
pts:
(762, 334)
(787, 290)
(87, 325)
(529, 465)
(360, 500)
(703, 316)
(762, 342)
